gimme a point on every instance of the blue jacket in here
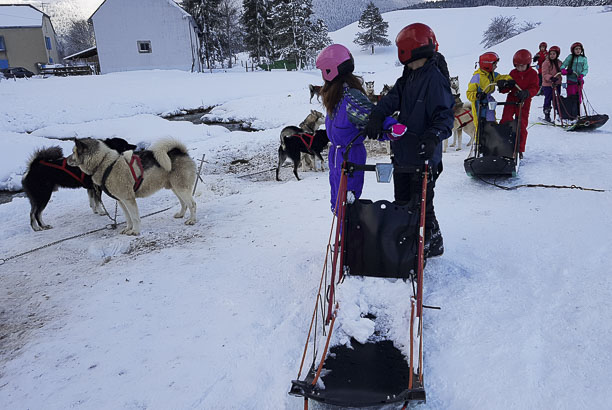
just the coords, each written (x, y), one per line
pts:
(348, 119)
(424, 100)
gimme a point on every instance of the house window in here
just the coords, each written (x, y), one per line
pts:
(48, 42)
(144, 46)
(2, 47)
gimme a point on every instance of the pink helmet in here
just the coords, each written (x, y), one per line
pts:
(335, 60)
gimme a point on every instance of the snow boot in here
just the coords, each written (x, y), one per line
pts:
(547, 115)
(434, 244)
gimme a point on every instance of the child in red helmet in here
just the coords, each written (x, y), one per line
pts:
(482, 86)
(422, 95)
(551, 77)
(525, 87)
(575, 67)
(539, 59)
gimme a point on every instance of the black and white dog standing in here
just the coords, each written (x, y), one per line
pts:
(47, 171)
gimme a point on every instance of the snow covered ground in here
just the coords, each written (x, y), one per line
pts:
(214, 316)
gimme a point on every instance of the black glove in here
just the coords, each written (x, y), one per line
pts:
(535, 59)
(505, 84)
(554, 79)
(522, 95)
(569, 71)
(427, 145)
(481, 96)
(373, 128)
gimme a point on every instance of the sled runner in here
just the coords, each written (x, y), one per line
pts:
(495, 150)
(376, 239)
(567, 112)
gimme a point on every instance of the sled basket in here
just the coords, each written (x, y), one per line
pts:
(588, 122)
(370, 374)
(568, 107)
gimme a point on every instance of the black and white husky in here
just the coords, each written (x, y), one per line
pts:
(166, 165)
(47, 171)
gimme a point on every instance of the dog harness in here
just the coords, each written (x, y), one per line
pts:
(64, 167)
(303, 137)
(137, 179)
(464, 117)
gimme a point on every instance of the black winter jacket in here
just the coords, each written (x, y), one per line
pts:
(425, 104)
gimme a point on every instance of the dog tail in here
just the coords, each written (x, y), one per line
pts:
(162, 148)
(310, 87)
(44, 154)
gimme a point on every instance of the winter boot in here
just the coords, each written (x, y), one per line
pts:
(434, 244)
(547, 115)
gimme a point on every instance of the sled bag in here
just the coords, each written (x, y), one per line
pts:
(569, 107)
(381, 239)
(498, 140)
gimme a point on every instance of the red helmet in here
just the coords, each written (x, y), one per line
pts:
(576, 44)
(521, 57)
(555, 48)
(543, 43)
(487, 60)
(335, 60)
(415, 41)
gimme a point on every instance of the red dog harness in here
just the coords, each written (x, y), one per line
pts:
(464, 117)
(303, 137)
(137, 179)
(64, 168)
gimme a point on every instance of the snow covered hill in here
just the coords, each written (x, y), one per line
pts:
(214, 316)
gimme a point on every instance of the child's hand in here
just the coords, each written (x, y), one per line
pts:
(522, 95)
(397, 131)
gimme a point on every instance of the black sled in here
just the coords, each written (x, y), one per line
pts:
(379, 239)
(567, 112)
(496, 147)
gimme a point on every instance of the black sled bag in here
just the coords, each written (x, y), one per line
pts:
(569, 107)
(381, 238)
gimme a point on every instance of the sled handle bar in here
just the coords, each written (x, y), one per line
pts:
(352, 167)
(361, 134)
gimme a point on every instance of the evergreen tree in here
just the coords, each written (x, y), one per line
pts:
(375, 29)
(296, 36)
(208, 19)
(231, 35)
(257, 28)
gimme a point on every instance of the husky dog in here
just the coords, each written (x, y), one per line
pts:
(463, 118)
(294, 142)
(47, 170)
(311, 123)
(386, 89)
(314, 90)
(166, 165)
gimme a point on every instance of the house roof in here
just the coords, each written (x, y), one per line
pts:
(20, 15)
(172, 2)
(88, 52)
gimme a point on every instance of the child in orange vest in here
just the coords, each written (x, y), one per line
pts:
(522, 88)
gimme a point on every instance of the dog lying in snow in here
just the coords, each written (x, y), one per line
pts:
(166, 165)
(47, 171)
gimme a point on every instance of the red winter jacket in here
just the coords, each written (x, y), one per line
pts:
(541, 55)
(526, 80)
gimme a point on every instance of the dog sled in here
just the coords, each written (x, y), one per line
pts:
(495, 151)
(568, 113)
(374, 239)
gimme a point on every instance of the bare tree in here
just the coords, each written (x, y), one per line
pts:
(80, 36)
(500, 29)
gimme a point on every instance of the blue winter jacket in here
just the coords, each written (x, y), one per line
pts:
(424, 100)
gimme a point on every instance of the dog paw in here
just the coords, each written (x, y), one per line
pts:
(190, 222)
(47, 227)
(458, 149)
(179, 214)
(130, 232)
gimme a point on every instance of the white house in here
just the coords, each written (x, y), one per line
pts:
(144, 35)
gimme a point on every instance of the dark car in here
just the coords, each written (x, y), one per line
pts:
(17, 72)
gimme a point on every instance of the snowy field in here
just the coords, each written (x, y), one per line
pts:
(214, 316)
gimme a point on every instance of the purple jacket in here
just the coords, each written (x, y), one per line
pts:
(348, 119)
